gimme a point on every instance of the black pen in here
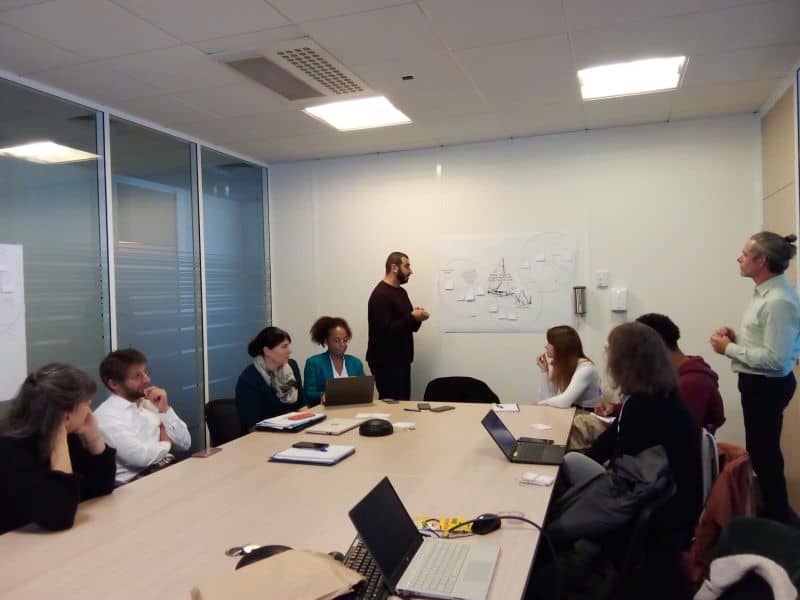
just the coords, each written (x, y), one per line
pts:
(412, 409)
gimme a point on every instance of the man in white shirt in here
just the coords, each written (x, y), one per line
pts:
(136, 418)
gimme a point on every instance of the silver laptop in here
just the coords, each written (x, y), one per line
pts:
(421, 566)
(350, 390)
(335, 426)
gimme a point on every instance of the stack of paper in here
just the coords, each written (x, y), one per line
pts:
(290, 421)
(327, 456)
(508, 407)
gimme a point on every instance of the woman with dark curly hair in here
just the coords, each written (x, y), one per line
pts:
(334, 334)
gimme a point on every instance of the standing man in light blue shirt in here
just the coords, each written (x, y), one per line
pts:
(763, 354)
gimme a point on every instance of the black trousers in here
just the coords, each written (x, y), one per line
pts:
(763, 402)
(392, 382)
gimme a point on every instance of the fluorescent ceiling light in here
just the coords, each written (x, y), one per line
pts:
(626, 79)
(47, 153)
(363, 113)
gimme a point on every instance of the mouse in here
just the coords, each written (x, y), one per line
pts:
(260, 553)
(485, 523)
(375, 428)
(336, 555)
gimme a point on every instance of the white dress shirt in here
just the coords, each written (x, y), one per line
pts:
(337, 374)
(133, 429)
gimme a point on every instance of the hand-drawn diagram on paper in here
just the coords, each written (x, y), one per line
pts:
(506, 282)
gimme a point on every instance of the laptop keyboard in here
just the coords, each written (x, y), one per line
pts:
(439, 567)
(359, 559)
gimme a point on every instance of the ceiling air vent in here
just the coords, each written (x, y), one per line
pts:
(298, 70)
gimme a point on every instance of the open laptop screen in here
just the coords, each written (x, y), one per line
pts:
(499, 432)
(387, 530)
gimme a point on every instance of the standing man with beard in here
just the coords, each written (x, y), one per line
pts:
(136, 418)
(392, 321)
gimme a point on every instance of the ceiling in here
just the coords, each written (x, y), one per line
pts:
(483, 69)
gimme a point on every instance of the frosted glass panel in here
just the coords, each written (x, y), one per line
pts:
(55, 212)
(236, 274)
(157, 270)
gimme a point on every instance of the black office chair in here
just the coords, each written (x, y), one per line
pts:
(650, 561)
(459, 389)
(223, 422)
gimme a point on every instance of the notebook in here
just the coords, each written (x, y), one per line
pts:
(350, 390)
(335, 426)
(290, 421)
(421, 566)
(521, 451)
(327, 456)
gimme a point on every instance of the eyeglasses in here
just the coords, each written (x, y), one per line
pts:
(338, 340)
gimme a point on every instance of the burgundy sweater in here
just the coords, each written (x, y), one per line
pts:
(390, 327)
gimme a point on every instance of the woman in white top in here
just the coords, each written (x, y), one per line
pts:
(567, 376)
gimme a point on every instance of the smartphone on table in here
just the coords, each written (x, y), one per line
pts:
(442, 408)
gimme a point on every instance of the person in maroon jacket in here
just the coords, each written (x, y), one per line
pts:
(392, 322)
(698, 383)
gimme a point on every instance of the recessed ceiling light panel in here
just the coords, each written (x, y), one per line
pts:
(47, 153)
(630, 78)
(362, 113)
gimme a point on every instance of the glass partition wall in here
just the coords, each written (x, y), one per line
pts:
(51, 204)
(57, 212)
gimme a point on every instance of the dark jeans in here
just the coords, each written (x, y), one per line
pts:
(392, 382)
(763, 401)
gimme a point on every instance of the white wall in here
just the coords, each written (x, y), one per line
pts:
(666, 208)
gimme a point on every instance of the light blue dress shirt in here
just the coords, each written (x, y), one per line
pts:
(768, 342)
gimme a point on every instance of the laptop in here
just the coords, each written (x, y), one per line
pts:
(335, 426)
(350, 390)
(521, 451)
(421, 566)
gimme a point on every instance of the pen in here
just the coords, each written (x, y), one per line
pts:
(412, 409)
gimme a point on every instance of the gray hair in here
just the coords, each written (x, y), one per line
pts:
(779, 249)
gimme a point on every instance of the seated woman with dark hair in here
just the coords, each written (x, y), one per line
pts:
(271, 386)
(333, 333)
(652, 415)
(52, 454)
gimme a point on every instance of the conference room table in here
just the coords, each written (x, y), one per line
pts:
(160, 536)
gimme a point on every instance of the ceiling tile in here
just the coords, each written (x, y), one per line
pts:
(9, 4)
(643, 38)
(234, 100)
(539, 70)
(97, 82)
(630, 110)
(166, 110)
(475, 23)
(749, 26)
(375, 36)
(591, 14)
(706, 101)
(522, 119)
(439, 84)
(278, 124)
(310, 10)
(190, 20)
(22, 53)
(741, 65)
(256, 40)
(177, 68)
(91, 28)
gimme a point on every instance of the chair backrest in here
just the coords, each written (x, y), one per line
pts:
(459, 389)
(710, 461)
(222, 420)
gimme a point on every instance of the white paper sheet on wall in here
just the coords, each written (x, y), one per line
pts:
(506, 282)
(14, 366)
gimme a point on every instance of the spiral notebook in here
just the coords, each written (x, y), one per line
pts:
(308, 456)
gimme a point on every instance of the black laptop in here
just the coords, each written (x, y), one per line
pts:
(521, 451)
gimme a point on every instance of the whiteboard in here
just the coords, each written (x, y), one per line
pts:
(13, 367)
(506, 282)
